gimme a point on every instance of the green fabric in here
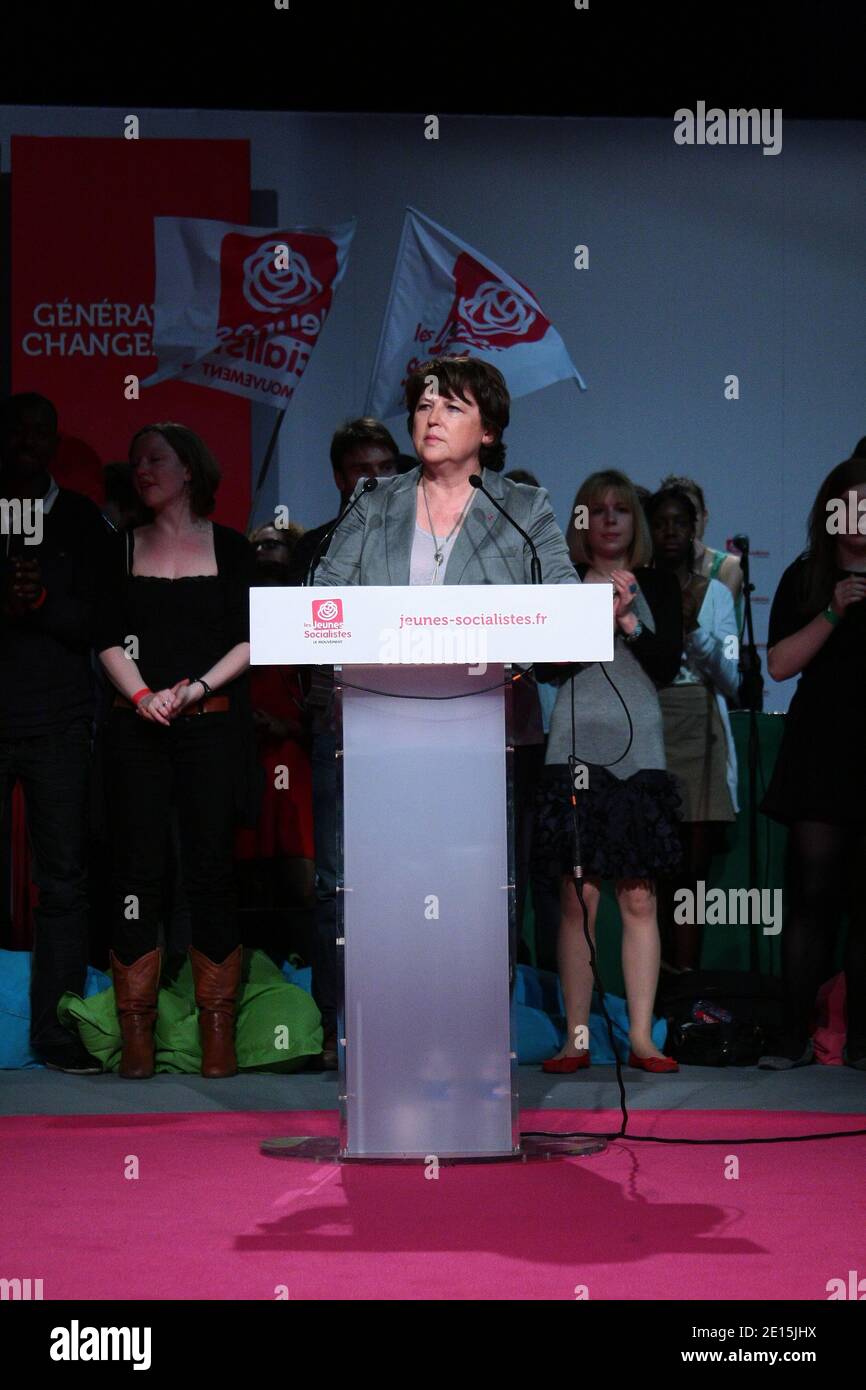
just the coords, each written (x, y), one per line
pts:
(719, 558)
(278, 1024)
(723, 947)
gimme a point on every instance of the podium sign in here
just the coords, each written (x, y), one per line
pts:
(431, 624)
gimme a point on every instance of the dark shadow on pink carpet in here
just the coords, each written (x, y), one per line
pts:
(209, 1217)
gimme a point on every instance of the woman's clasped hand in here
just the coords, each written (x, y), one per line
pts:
(162, 706)
(846, 592)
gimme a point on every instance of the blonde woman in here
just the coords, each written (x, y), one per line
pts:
(627, 804)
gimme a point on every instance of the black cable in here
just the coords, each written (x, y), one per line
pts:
(577, 874)
(654, 1139)
(461, 695)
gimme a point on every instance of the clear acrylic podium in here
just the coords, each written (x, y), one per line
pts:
(426, 929)
(428, 1061)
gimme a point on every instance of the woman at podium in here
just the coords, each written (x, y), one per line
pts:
(430, 525)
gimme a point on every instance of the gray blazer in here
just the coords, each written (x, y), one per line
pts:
(374, 544)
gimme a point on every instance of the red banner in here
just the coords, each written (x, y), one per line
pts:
(83, 276)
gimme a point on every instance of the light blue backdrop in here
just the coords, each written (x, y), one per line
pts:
(704, 261)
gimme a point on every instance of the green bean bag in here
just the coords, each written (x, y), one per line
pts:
(278, 1024)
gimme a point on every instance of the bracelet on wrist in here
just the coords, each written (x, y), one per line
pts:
(832, 617)
(635, 632)
(206, 690)
(140, 694)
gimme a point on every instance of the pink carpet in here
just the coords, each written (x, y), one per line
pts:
(210, 1218)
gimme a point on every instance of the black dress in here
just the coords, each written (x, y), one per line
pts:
(202, 763)
(820, 773)
(182, 626)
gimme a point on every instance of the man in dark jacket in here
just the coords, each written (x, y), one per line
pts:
(53, 545)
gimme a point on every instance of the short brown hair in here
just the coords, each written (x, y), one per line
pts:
(590, 491)
(195, 455)
(356, 434)
(454, 376)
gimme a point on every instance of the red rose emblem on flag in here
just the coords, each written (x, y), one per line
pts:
(269, 289)
(327, 612)
(262, 287)
(486, 313)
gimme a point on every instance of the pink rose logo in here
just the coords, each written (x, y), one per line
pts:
(492, 310)
(488, 314)
(327, 611)
(268, 289)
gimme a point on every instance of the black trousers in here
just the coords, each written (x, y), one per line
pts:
(54, 772)
(149, 769)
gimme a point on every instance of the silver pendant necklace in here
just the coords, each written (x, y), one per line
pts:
(439, 550)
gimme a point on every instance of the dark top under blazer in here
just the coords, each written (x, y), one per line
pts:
(374, 544)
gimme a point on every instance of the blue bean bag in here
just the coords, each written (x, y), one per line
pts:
(15, 1007)
(540, 1019)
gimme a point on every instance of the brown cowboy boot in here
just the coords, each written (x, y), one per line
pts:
(136, 988)
(216, 990)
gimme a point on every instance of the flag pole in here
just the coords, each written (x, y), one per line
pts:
(266, 463)
(386, 317)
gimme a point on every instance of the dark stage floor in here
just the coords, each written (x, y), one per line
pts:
(40, 1092)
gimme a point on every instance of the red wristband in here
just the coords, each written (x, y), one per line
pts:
(140, 694)
(41, 599)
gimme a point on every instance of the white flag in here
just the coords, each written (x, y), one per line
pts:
(241, 308)
(446, 300)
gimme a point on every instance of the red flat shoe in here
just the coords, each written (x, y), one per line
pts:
(652, 1063)
(561, 1065)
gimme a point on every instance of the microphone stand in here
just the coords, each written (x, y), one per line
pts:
(535, 563)
(535, 574)
(368, 485)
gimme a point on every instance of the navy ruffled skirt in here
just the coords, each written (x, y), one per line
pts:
(628, 828)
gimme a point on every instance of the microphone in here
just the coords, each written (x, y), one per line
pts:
(535, 563)
(368, 485)
(741, 543)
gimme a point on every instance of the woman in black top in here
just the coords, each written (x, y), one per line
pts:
(174, 639)
(818, 787)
